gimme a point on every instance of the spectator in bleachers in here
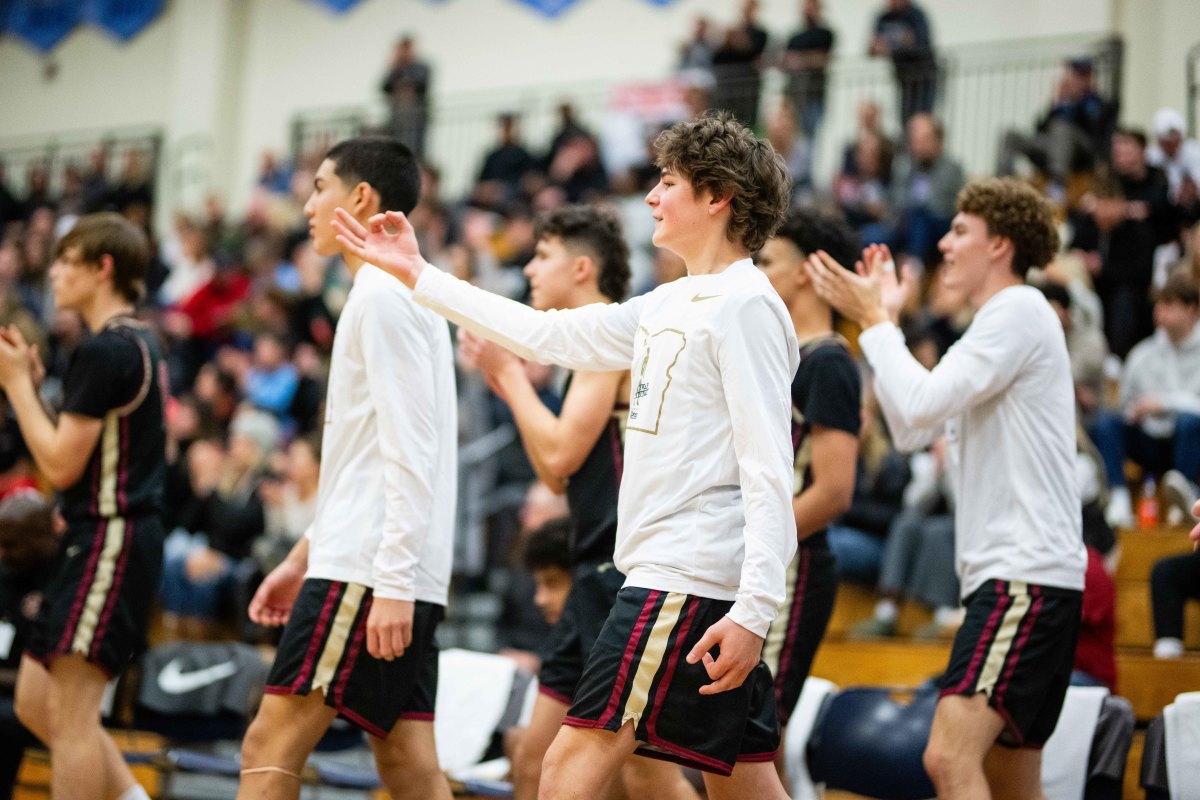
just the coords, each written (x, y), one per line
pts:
(1086, 348)
(1173, 581)
(1095, 650)
(1072, 135)
(1158, 422)
(805, 61)
(1179, 157)
(289, 502)
(221, 523)
(406, 87)
(902, 34)
(272, 380)
(521, 627)
(857, 537)
(28, 547)
(507, 165)
(862, 188)
(697, 52)
(925, 184)
(187, 257)
(737, 69)
(10, 207)
(795, 149)
(96, 186)
(1131, 218)
(274, 175)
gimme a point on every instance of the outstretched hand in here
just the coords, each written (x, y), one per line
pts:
(387, 240)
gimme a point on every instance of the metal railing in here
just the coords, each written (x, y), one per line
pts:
(983, 90)
(1193, 87)
(56, 153)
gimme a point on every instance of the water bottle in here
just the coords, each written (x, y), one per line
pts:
(1147, 512)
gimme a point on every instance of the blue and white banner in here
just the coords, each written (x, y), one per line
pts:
(549, 8)
(338, 6)
(124, 19)
(42, 23)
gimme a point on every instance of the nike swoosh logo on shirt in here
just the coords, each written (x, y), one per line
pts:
(697, 298)
(173, 680)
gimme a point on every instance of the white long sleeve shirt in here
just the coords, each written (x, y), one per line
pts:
(705, 501)
(388, 486)
(1004, 396)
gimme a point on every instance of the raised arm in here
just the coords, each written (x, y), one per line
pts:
(595, 337)
(557, 445)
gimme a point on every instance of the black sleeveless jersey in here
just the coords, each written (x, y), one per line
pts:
(592, 492)
(117, 376)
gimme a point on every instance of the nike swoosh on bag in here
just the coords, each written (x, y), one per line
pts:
(173, 680)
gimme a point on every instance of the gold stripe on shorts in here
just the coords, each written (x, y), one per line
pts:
(1002, 643)
(102, 581)
(652, 656)
(110, 456)
(339, 634)
(777, 634)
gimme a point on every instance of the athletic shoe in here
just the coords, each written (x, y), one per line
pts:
(873, 628)
(1180, 493)
(1120, 508)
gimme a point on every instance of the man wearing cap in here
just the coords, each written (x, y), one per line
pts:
(1179, 157)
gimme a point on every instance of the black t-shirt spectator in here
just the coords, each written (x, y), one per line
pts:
(810, 83)
(114, 376)
(907, 34)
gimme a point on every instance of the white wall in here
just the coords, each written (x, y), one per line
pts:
(234, 72)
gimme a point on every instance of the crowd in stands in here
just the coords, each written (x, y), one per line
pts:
(247, 313)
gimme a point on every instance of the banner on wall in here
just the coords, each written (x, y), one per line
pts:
(338, 6)
(42, 23)
(123, 19)
(549, 8)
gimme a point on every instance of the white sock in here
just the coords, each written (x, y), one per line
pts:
(948, 616)
(135, 792)
(886, 611)
(1168, 647)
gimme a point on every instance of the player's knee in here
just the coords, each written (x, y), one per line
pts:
(939, 762)
(33, 713)
(555, 781)
(645, 778)
(527, 762)
(260, 743)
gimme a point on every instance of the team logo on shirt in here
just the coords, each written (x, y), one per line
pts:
(660, 353)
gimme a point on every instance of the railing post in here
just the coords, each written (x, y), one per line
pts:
(1193, 86)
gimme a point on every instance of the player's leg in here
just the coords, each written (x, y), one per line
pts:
(408, 764)
(1014, 774)
(33, 697)
(78, 743)
(581, 762)
(964, 730)
(544, 724)
(749, 779)
(648, 777)
(278, 742)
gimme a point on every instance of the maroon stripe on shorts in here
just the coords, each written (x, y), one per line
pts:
(981, 647)
(85, 584)
(360, 631)
(1015, 655)
(310, 657)
(785, 658)
(114, 592)
(664, 683)
(627, 660)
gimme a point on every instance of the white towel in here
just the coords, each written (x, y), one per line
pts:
(1065, 756)
(1181, 725)
(799, 728)
(473, 691)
